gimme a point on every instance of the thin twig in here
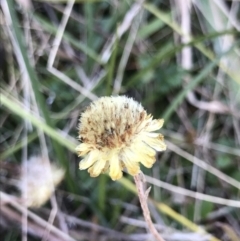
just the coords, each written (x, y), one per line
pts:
(143, 195)
(203, 165)
(196, 195)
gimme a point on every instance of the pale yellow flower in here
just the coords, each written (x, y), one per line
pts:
(38, 181)
(117, 133)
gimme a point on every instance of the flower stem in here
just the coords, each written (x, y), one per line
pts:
(143, 195)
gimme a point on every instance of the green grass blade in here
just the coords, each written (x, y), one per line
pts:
(9, 151)
(18, 110)
(192, 84)
(89, 13)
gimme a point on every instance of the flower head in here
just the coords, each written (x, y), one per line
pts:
(38, 181)
(117, 133)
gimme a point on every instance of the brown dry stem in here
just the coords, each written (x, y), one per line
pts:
(143, 196)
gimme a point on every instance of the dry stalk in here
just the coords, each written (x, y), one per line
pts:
(143, 196)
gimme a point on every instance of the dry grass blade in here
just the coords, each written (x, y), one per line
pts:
(10, 200)
(203, 165)
(197, 195)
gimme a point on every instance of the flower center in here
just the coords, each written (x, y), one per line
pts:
(114, 125)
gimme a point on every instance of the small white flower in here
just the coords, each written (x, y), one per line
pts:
(38, 181)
